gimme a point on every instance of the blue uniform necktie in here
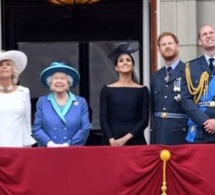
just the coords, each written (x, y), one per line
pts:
(169, 71)
(211, 64)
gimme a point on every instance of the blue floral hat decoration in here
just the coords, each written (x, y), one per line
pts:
(59, 67)
(122, 49)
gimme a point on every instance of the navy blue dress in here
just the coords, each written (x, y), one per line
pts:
(124, 110)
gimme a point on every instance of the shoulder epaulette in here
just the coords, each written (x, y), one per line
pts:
(194, 59)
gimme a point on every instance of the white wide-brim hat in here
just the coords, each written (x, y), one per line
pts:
(19, 59)
(59, 67)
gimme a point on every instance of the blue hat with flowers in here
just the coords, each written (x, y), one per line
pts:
(59, 67)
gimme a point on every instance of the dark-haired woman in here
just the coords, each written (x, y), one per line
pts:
(124, 105)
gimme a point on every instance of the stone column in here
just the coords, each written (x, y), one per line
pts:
(180, 17)
(205, 15)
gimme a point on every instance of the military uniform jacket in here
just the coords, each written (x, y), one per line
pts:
(197, 67)
(167, 131)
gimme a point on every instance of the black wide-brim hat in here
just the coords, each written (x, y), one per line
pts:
(59, 67)
(121, 49)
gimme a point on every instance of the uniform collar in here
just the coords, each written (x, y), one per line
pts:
(174, 64)
(208, 57)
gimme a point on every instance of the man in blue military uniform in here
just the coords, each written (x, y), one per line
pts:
(169, 123)
(198, 90)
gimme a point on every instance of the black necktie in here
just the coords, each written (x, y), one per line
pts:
(169, 71)
(211, 64)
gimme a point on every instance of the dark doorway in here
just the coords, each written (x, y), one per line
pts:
(84, 35)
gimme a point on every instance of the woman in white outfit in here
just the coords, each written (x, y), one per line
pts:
(15, 107)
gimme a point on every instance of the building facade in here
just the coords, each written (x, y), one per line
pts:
(27, 25)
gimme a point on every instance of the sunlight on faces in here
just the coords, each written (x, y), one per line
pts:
(124, 64)
(207, 37)
(59, 82)
(168, 48)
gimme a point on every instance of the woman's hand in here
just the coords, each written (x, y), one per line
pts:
(51, 144)
(112, 142)
(123, 140)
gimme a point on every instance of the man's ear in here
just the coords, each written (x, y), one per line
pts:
(159, 50)
(200, 43)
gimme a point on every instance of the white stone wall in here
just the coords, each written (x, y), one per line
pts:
(206, 15)
(184, 18)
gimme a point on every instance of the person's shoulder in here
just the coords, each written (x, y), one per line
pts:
(107, 87)
(44, 96)
(181, 63)
(139, 86)
(23, 89)
(111, 85)
(180, 66)
(79, 98)
(195, 60)
(160, 70)
(80, 101)
(144, 88)
(193, 63)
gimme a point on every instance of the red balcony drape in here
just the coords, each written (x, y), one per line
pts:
(135, 170)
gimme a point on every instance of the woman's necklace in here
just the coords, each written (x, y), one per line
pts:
(6, 89)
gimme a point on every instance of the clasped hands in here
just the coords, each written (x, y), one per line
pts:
(209, 126)
(117, 142)
(51, 144)
(121, 141)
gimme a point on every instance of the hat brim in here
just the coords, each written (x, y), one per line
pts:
(64, 69)
(121, 49)
(19, 59)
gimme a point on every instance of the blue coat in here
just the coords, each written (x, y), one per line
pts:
(72, 126)
(197, 67)
(168, 131)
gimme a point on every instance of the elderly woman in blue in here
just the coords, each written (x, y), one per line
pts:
(61, 118)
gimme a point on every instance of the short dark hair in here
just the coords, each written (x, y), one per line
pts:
(164, 34)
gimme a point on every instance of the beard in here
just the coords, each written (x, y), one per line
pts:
(170, 57)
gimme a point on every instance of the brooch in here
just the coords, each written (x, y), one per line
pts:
(75, 103)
